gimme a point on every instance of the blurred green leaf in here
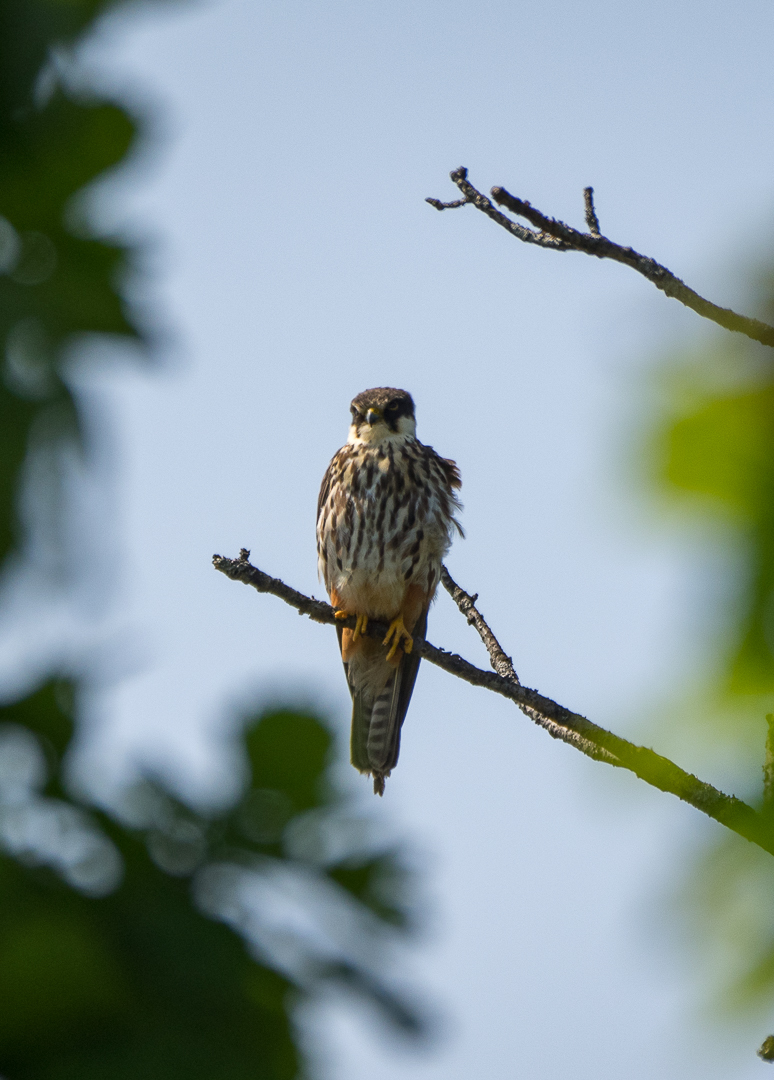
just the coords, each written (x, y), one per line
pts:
(117, 959)
(142, 981)
(28, 29)
(55, 972)
(288, 753)
(728, 899)
(719, 447)
(48, 713)
(57, 282)
(15, 422)
(715, 449)
(378, 883)
(135, 984)
(725, 449)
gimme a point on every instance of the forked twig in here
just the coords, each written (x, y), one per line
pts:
(554, 234)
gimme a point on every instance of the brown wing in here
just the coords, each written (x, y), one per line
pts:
(327, 480)
(452, 472)
(447, 482)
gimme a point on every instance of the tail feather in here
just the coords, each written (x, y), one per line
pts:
(378, 714)
(361, 722)
(384, 732)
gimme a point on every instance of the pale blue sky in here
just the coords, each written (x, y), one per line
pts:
(297, 264)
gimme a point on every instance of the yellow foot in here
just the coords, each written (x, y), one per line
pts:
(400, 637)
(361, 624)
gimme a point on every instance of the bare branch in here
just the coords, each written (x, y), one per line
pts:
(555, 234)
(485, 206)
(502, 664)
(560, 722)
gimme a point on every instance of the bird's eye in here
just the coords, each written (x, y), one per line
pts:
(355, 414)
(392, 407)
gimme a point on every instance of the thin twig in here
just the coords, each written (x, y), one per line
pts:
(480, 201)
(555, 234)
(447, 205)
(561, 723)
(502, 663)
(591, 215)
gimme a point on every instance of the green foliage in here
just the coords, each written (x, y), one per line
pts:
(728, 898)
(296, 774)
(135, 982)
(716, 460)
(140, 943)
(132, 975)
(721, 447)
(376, 883)
(28, 29)
(57, 282)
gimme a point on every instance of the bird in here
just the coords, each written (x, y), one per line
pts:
(385, 521)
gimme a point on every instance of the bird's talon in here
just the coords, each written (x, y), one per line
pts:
(400, 636)
(361, 621)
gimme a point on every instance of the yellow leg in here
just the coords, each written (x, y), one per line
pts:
(360, 626)
(400, 637)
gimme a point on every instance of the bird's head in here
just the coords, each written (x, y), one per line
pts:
(382, 413)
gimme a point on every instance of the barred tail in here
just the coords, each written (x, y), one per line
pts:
(377, 719)
(376, 725)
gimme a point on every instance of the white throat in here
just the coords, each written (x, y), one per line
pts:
(372, 435)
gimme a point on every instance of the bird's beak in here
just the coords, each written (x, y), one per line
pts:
(373, 416)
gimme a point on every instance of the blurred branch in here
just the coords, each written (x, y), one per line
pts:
(555, 234)
(768, 766)
(766, 1052)
(561, 723)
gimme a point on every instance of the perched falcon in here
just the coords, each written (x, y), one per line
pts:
(385, 518)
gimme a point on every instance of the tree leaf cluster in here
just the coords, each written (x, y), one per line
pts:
(714, 443)
(150, 938)
(118, 956)
(58, 282)
(719, 447)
